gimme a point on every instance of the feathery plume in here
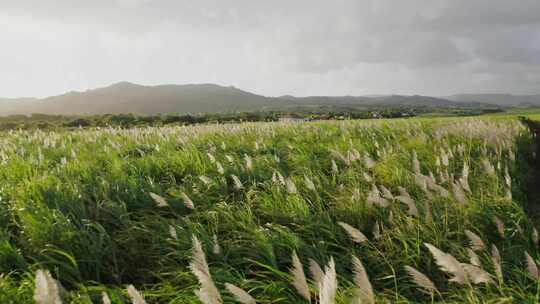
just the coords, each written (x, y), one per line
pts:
(458, 193)
(488, 167)
(407, 200)
(135, 295)
(216, 248)
(316, 271)
(172, 232)
(187, 201)
(368, 161)
(239, 294)
(535, 237)
(291, 187)
(356, 235)
(415, 162)
(159, 200)
(299, 278)
(208, 293)
(376, 231)
(473, 258)
(386, 193)
(105, 298)
(220, 168)
(249, 162)
(477, 275)
(328, 285)
(532, 268)
(309, 183)
(335, 168)
(361, 279)
(420, 279)
(47, 290)
(497, 262)
(475, 240)
(500, 226)
(237, 183)
(448, 264)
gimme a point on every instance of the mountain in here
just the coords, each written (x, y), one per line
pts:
(498, 99)
(125, 97)
(379, 101)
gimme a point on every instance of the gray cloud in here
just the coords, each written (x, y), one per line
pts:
(272, 47)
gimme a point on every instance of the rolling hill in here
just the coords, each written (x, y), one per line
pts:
(498, 99)
(125, 97)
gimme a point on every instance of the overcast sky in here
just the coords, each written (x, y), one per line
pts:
(272, 47)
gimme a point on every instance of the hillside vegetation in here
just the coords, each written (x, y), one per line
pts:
(125, 97)
(387, 211)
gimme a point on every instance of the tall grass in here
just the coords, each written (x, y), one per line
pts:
(330, 212)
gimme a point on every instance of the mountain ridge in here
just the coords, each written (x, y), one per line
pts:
(127, 97)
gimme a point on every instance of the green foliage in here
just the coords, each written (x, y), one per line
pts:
(77, 202)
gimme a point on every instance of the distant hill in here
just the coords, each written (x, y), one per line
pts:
(125, 97)
(498, 99)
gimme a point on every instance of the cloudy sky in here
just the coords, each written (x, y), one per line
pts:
(277, 47)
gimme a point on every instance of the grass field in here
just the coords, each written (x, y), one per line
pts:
(385, 211)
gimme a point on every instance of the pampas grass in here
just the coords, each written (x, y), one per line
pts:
(159, 200)
(187, 201)
(105, 298)
(356, 235)
(421, 280)
(532, 268)
(47, 290)
(475, 241)
(328, 285)
(239, 294)
(135, 295)
(497, 262)
(316, 271)
(208, 293)
(299, 278)
(364, 289)
(448, 264)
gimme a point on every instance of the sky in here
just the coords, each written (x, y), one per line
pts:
(272, 47)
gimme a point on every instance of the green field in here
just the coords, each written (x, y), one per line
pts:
(386, 211)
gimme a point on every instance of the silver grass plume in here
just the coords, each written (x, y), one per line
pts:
(420, 279)
(172, 232)
(475, 240)
(135, 295)
(316, 271)
(448, 264)
(386, 193)
(309, 183)
(187, 201)
(220, 168)
(105, 298)
(415, 162)
(535, 237)
(473, 258)
(335, 168)
(47, 290)
(159, 200)
(497, 262)
(239, 294)
(365, 290)
(216, 248)
(459, 195)
(532, 268)
(299, 278)
(249, 162)
(476, 274)
(500, 226)
(368, 161)
(407, 200)
(328, 285)
(237, 183)
(376, 231)
(356, 235)
(208, 293)
(291, 187)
